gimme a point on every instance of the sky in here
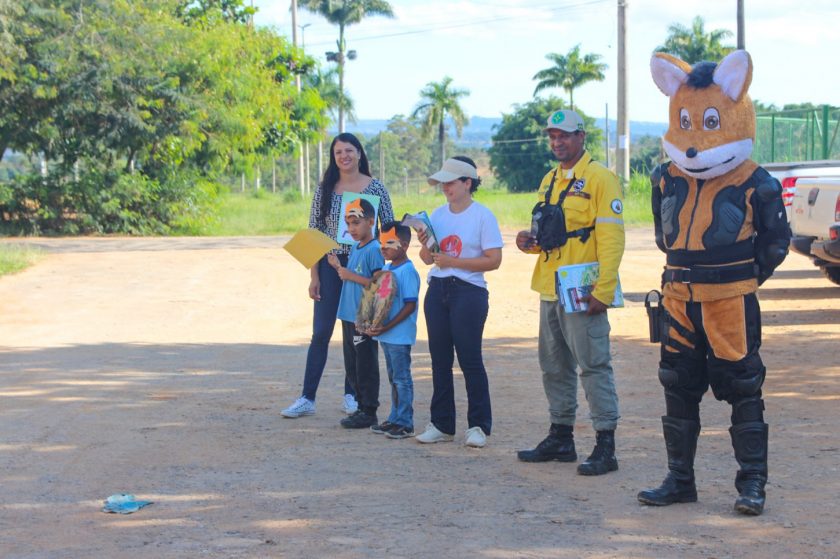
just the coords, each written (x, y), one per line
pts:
(493, 48)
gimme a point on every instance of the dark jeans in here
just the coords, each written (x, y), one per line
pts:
(323, 324)
(455, 315)
(361, 361)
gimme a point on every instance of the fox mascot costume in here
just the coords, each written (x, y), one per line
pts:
(719, 218)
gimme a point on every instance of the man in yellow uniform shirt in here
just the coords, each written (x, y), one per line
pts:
(592, 205)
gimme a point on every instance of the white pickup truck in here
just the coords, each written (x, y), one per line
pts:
(790, 173)
(815, 223)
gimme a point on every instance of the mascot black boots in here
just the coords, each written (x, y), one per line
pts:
(602, 460)
(558, 445)
(681, 443)
(750, 443)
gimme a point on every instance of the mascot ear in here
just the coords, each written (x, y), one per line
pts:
(669, 72)
(734, 74)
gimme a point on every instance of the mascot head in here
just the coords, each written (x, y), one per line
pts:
(712, 119)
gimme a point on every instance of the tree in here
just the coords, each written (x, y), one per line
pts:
(345, 13)
(136, 125)
(10, 50)
(325, 82)
(520, 156)
(570, 72)
(761, 107)
(694, 45)
(208, 11)
(646, 154)
(438, 101)
(405, 151)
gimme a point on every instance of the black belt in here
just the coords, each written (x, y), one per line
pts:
(723, 274)
(736, 252)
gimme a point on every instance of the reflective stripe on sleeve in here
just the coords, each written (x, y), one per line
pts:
(616, 220)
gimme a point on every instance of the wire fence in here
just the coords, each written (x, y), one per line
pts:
(797, 135)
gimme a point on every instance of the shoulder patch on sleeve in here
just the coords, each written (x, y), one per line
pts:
(617, 206)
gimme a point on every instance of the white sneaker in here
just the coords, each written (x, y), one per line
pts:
(475, 437)
(433, 435)
(301, 407)
(350, 405)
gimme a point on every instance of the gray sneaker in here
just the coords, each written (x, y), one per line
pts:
(350, 406)
(399, 432)
(301, 407)
(382, 428)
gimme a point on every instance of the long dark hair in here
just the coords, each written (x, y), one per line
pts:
(331, 175)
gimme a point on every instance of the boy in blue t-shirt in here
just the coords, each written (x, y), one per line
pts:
(399, 332)
(361, 352)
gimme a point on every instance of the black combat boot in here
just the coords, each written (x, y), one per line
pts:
(750, 443)
(681, 444)
(602, 460)
(558, 445)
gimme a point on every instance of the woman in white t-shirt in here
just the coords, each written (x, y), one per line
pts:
(456, 302)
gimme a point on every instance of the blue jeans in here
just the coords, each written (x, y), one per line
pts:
(323, 324)
(455, 315)
(398, 363)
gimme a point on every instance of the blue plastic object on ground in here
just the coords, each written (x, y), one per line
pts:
(123, 503)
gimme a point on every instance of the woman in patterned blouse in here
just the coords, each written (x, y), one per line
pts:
(348, 171)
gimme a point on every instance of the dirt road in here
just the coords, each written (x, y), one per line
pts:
(158, 367)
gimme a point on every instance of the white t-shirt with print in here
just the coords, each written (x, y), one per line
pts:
(465, 235)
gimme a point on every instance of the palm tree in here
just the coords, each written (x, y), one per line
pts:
(694, 45)
(437, 101)
(345, 13)
(570, 72)
(325, 82)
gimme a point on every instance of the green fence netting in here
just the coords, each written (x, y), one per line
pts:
(797, 135)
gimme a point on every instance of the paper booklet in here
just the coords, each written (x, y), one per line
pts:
(421, 222)
(309, 245)
(574, 282)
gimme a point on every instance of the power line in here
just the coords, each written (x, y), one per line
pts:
(466, 24)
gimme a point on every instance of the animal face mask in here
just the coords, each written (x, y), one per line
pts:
(712, 119)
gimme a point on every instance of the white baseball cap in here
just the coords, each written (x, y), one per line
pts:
(565, 120)
(453, 169)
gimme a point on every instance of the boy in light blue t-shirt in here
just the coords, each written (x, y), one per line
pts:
(361, 352)
(399, 332)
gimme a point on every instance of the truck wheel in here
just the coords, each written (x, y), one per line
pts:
(832, 273)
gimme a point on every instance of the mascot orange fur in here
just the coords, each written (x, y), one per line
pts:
(719, 219)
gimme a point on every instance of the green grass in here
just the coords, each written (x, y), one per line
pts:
(283, 213)
(15, 258)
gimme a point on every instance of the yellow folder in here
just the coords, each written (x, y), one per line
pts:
(309, 245)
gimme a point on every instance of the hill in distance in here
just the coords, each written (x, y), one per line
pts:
(479, 131)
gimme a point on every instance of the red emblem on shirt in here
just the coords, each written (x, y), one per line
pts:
(451, 245)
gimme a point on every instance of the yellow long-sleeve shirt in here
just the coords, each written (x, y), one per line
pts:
(594, 199)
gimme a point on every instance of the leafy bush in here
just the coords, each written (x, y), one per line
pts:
(105, 201)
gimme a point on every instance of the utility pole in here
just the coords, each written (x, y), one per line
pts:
(381, 159)
(320, 159)
(622, 146)
(607, 132)
(741, 40)
(307, 172)
(300, 172)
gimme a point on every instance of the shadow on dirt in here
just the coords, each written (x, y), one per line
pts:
(281, 478)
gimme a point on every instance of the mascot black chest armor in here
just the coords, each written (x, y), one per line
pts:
(720, 221)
